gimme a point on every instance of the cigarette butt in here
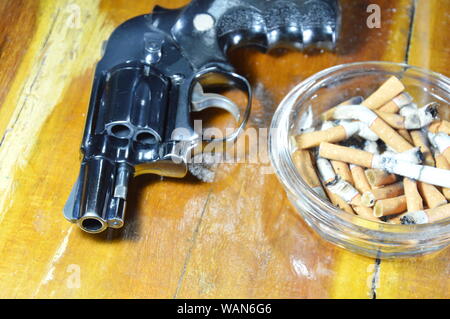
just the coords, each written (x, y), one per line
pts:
(397, 220)
(356, 201)
(303, 161)
(441, 142)
(394, 105)
(345, 154)
(365, 212)
(369, 198)
(419, 140)
(431, 195)
(441, 162)
(440, 126)
(328, 115)
(339, 202)
(446, 154)
(390, 107)
(427, 216)
(405, 134)
(360, 180)
(313, 139)
(343, 171)
(394, 120)
(438, 213)
(390, 206)
(377, 177)
(414, 201)
(386, 92)
(390, 136)
(393, 163)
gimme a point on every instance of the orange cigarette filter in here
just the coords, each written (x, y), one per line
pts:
(370, 197)
(438, 213)
(390, 107)
(428, 216)
(362, 185)
(440, 126)
(386, 92)
(394, 120)
(441, 162)
(339, 202)
(378, 177)
(390, 136)
(431, 195)
(414, 201)
(303, 161)
(343, 171)
(390, 206)
(345, 154)
(360, 180)
(446, 154)
(405, 134)
(313, 139)
(365, 212)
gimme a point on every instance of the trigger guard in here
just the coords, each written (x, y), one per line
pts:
(223, 102)
(202, 101)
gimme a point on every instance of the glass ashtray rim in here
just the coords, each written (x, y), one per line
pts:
(281, 159)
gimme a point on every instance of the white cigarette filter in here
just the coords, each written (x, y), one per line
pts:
(328, 115)
(335, 132)
(363, 129)
(333, 183)
(417, 118)
(326, 170)
(306, 121)
(426, 216)
(355, 112)
(344, 190)
(392, 164)
(370, 146)
(441, 142)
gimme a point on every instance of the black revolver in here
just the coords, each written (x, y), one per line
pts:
(151, 78)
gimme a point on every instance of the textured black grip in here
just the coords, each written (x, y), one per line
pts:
(269, 24)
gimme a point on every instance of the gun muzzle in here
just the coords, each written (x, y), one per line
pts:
(98, 198)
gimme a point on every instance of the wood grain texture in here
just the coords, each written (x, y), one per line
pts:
(237, 237)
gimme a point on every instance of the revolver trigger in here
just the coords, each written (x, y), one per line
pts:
(201, 101)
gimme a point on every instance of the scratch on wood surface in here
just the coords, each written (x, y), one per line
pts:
(52, 264)
(189, 254)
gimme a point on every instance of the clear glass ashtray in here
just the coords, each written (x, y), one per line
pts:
(322, 91)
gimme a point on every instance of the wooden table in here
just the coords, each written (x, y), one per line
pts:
(237, 237)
